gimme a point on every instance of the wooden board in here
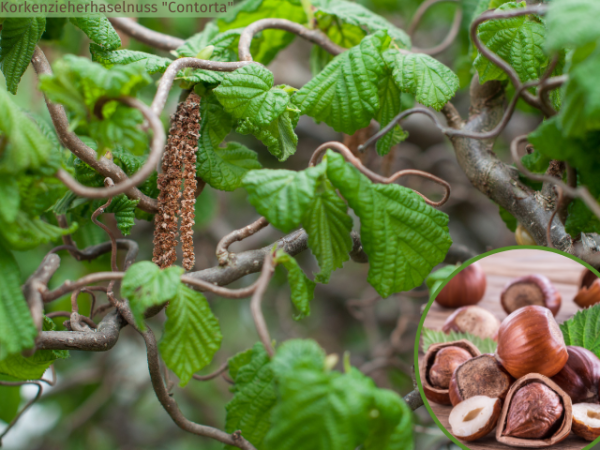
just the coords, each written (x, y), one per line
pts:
(500, 268)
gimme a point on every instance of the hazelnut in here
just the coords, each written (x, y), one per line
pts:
(589, 289)
(473, 320)
(465, 288)
(434, 393)
(586, 420)
(482, 375)
(536, 413)
(529, 340)
(444, 364)
(580, 376)
(474, 418)
(530, 290)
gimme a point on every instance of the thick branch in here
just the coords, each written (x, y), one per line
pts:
(36, 284)
(414, 400)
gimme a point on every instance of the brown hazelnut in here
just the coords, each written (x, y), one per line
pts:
(474, 320)
(474, 418)
(536, 413)
(482, 375)
(529, 340)
(434, 393)
(465, 288)
(586, 420)
(530, 290)
(580, 376)
(589, 290)
(444, 364)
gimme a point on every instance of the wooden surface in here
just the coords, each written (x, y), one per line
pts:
(500, 268)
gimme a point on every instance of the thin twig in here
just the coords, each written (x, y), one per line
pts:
(69, 286)
(222, 251)
(452, 33)
(255, 305)
(146, 36)
(213, 375)
(113, 241)
(348, 156)
(27, 405)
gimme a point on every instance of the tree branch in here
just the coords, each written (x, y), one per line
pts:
(145, 35)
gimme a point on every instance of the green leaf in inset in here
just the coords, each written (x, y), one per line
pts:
(583, 329)
(572, 23)
(192, 334)
(99, 30)
(432, 83)
(146, 285)
(249, 93)
(278, 136)
(18, 39)
(431, 337)
(435, 279)
(517, 40)
(254, 397)
(345, 95)
(26, 147)
(151, 63)
(403, 236)
(282, 196)
(303, 289)
(328, 226)
(9, 193)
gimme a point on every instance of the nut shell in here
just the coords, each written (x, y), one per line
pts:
(445, 363)
(589, 290)
(482, 375)
(580, 376)
(586, 421)
(530, 290)
(474, 320)
(529, 340)
(465, 288)
(475, 417)
(435, 394)
(561, 429)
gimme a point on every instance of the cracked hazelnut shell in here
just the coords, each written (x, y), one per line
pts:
(474, 320)
(482, 375)
(580, 376)
(433, 393)
(530, 341)
(586, 420)
(589, 290)
(465, 288)
(530, 290)
(540, 413)
(475, 418)
(445, 363)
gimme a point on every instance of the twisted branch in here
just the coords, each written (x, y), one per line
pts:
(452, 33)
(145, 35)
(222, 251)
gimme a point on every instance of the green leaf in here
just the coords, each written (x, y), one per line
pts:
(254, 397)
(278, 136)
(248, 12)
(432, 83)
(146, 285)
(10, 399)
(28, 232)
(17, 331)
(583, 329)
(391, 105)
(517, 40)
(345, 95)
(431, 337)
(435, 279)
(18, 39)
(403, 236)
(9, 193)
(124, 211)
(282, 196)
(26, 146)
(236, 362)
(354, 14)
(99, 30)
(192, 334)
(151, 63)
(343, 34)
(572, 23)
(249, 93)
(509, 220)
(328, 226)
(391, 423)
(197, 42)
(303, 289)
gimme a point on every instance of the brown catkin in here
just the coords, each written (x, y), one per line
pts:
(180, 149)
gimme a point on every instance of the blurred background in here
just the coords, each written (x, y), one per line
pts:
(105, 401)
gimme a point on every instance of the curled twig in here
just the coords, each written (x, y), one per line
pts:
(113, 241)
(222, 250)
(145, 35)
(212, 376)
(27, 405)
(255, 304)
(348, 156)
(452, 33)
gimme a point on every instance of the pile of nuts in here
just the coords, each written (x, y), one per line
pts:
(534, 390)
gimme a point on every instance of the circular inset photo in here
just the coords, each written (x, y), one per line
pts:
(509, 351)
